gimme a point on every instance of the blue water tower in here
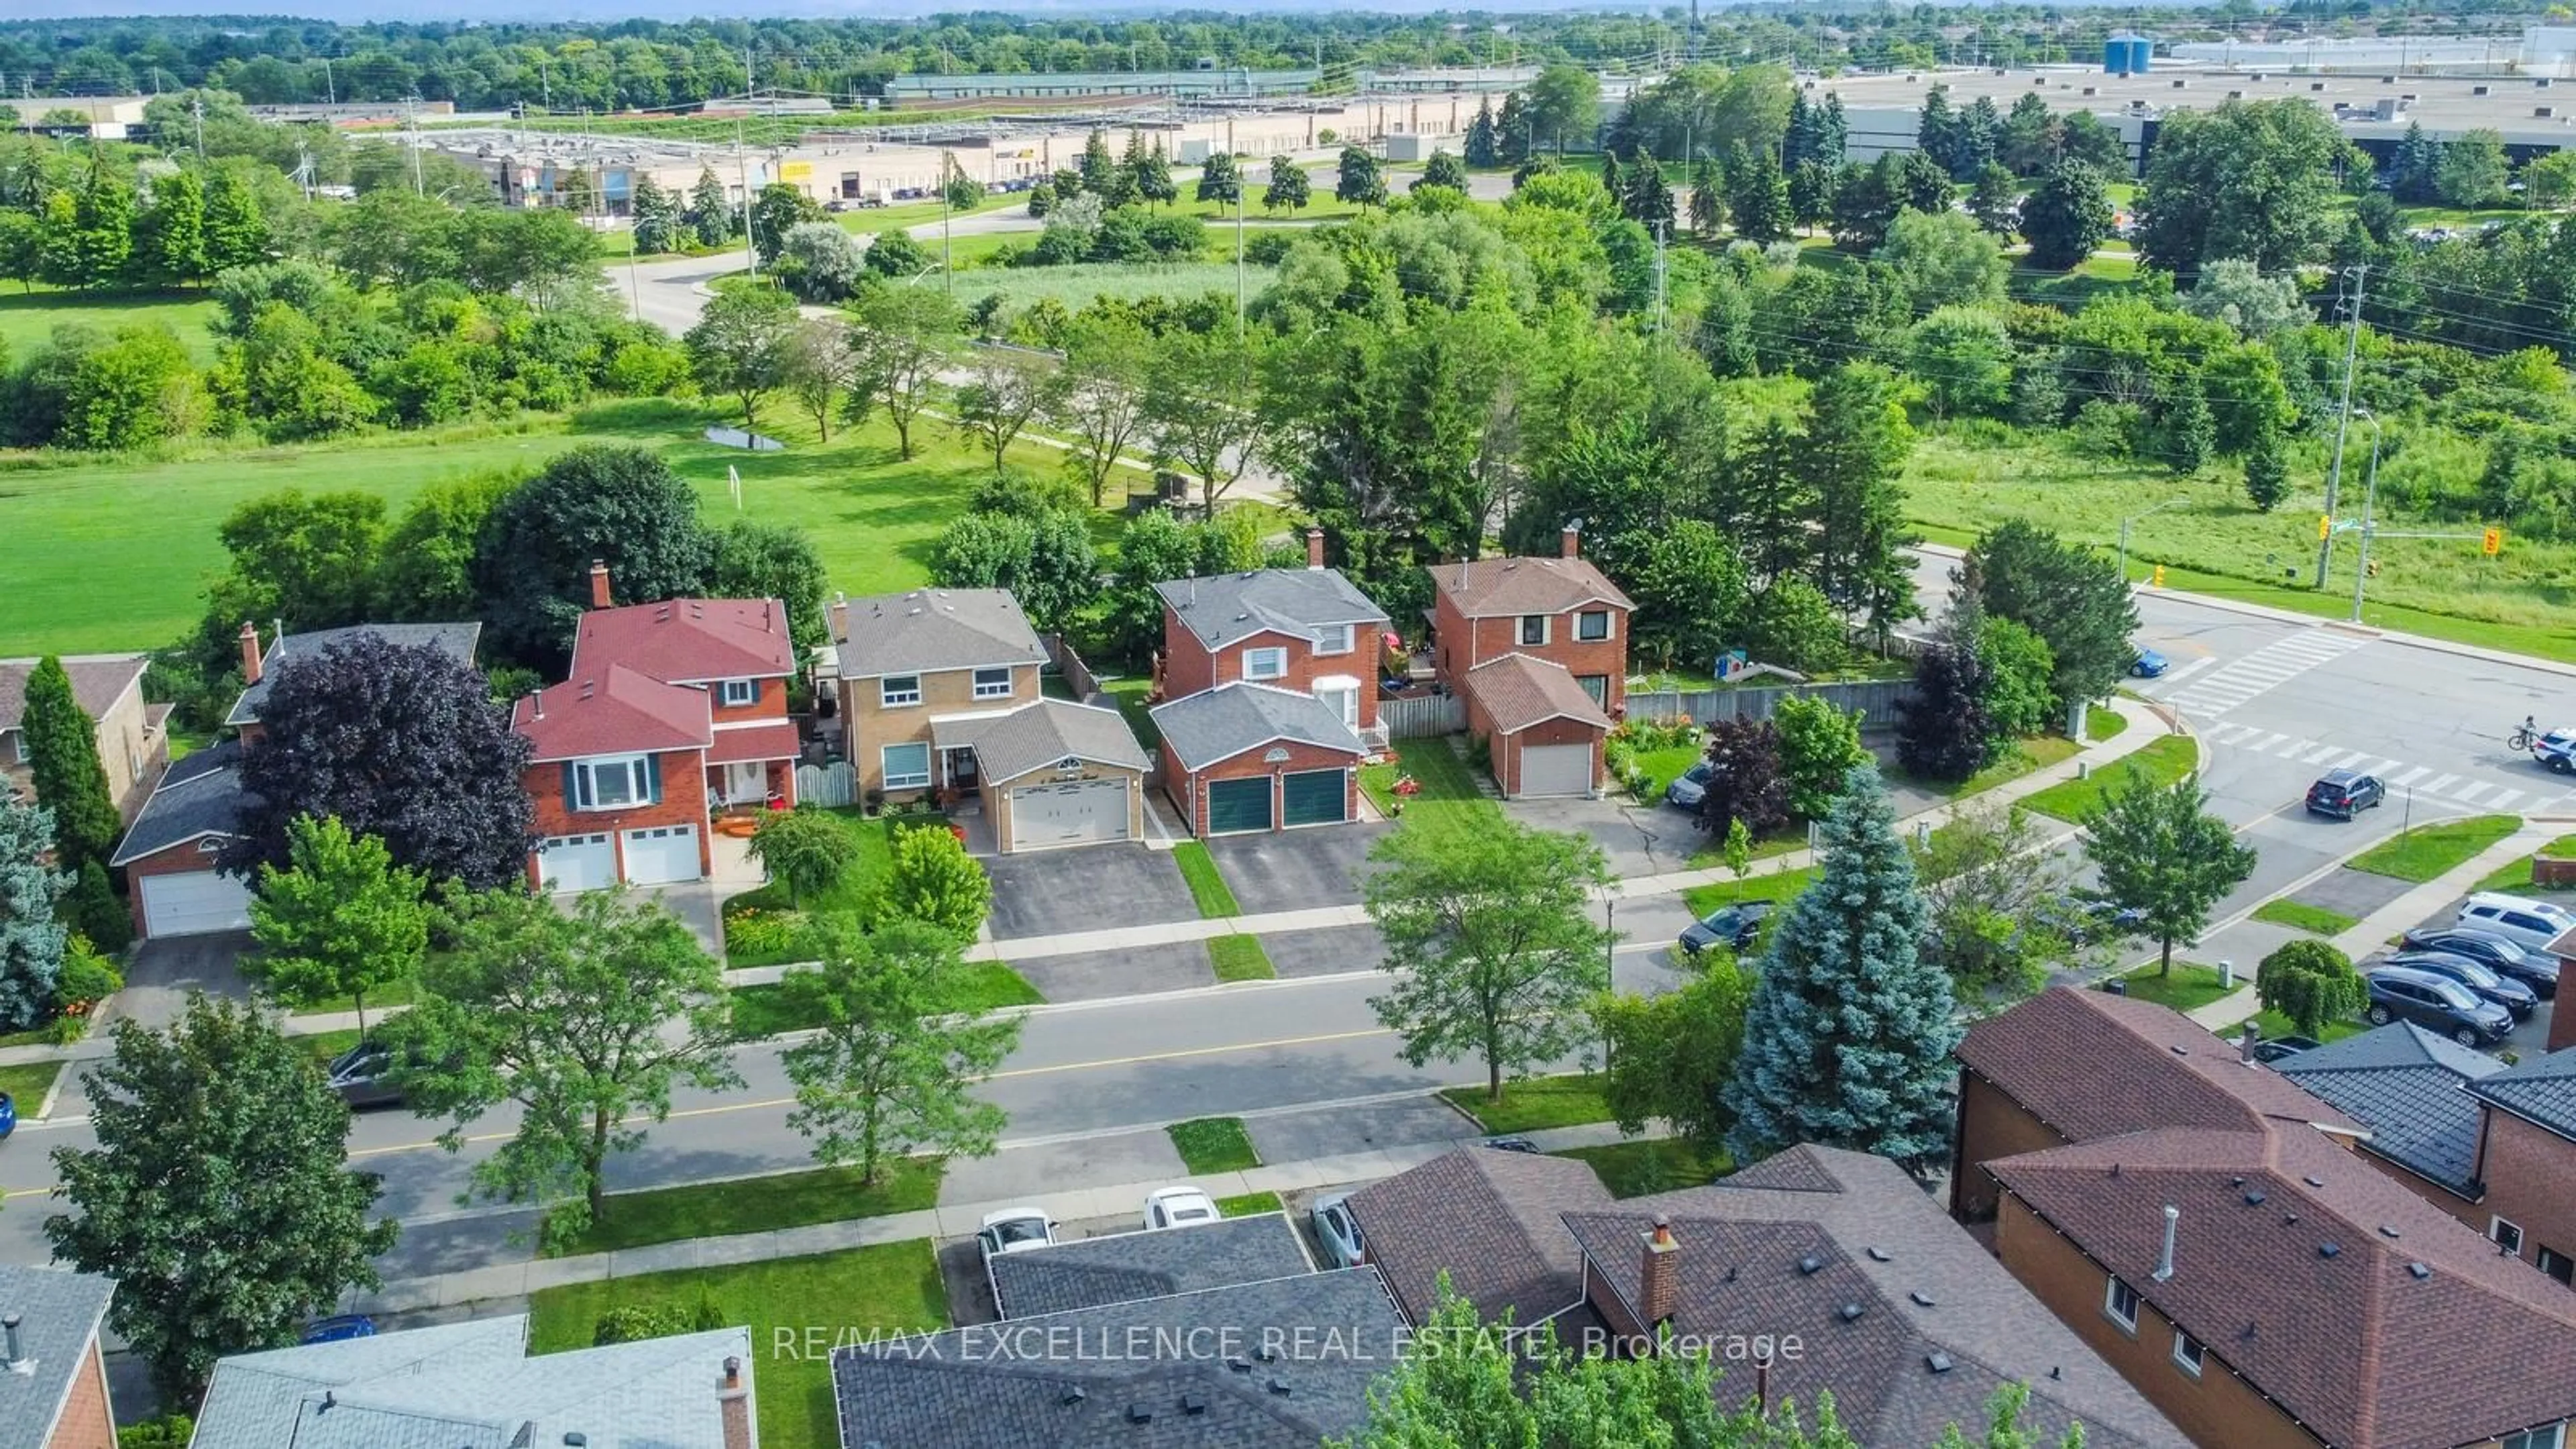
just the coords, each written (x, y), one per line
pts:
(2127, 54)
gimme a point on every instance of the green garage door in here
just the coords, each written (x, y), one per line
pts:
(1237, 805)
(1316, 797)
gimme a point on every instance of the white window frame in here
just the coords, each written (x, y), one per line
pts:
(2505, 1233)
(895, 691)
(1336, 639)
(2189, 1353)
(1583, 622)
(632, 768)
(1520, 631)
(2548, 1436)
(988, 690)
(1252, 667)
(2111, 1296)
(885, 766)
(735, 693)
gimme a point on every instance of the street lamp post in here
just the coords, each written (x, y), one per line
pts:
(2124, 532)
(2369, 498)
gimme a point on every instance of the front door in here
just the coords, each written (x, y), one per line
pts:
(746, 782)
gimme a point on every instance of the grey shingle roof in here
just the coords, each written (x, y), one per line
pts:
(60, 1311)
(1220, 723)
(1225, 609)
(1037, 735)
(1490, 1220)
(1012, 1385)
(932, 629)
(2406, 1085)
(457, 640)
(201, 795)
(2542, 1089)
(466, 1386)
(98, 681)
(1123, 1267)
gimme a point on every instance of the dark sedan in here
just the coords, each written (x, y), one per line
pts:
(363, 1076)
(2436, 1003)
(2535, 969)
(2504, 991)
(1736, 926)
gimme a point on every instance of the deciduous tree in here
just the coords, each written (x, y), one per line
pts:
(1819, 747)
(1943, 731)
(1745, 783)
(2312, 984)
(59, 742)
(756, 560)
(2156, 849)
(1006, 390)
(2066, 594)
(819, 367)
(1670, 1056)
(1359, 182)
(1289, 186)
(740, 344)
(1200, 410)
(1997, 902)
(609, 502)
(2066, 215)
(338, 921)
(2250, 179)
(1101, 402)
(902, 336)
(804, 848)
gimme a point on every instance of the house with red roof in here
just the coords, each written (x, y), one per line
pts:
(670, 715)
(1538, 650)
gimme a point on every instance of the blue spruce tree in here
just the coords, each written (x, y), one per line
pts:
(1847, 1042)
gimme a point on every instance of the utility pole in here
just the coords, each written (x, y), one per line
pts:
(1661, 228)
(2343, 419)
(197, 112)
(1238, 254)
(742, 172)
(411, 123)
(2369, 499)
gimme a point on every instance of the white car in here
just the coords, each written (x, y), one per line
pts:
(1015, 1230)
(2529, 924)
(1339, 1232)
(1177, 1207)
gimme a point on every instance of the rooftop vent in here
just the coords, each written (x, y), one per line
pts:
(576, 1439)
(2180, 1050)
(1849, 1313)
(2318, 86)
(1140, 1413)
(1073, 1396)
(1937, 1361)
(2092, 90)
(2314, 1181)
(1878, 1254)
(1270, 1353)
(1239, 1364)
(1921, 1298)
(2254, 1197)
(2329, 1250)
(1279, 1387)
(1193, 1403)
(2479, 90)
(2419, 1271)
(2388, 1230)
(2544, 112)
(1810, 1265)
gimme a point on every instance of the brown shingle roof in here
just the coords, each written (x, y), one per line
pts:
(1498, 587)
(98, 680)
(2366, 1350)
(1518, 691)
(1491, 1220)
(2091, 1064)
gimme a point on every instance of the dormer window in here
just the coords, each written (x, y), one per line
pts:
(735, 693)
(1333, 639)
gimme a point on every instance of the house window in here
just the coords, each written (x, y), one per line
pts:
(1533, 628)
(2552, 1436)
(2507, 1235)
(993, 683)
(2188, 1352)
(899, 689)
(1333, 639)
(613, 784)
(209, 846)
(2121, 1302)
(1597, 686)
(907, 767)
(739, 692)
(1592, 625)
(1269, 663)
(2558, 1265)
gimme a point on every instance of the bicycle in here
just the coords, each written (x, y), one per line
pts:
(2523, 738)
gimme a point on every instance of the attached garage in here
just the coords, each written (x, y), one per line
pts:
(1235, 806)
(1082, 812)
(1543, 732)
(194, 903)
(1315, 797)
(1556, 769)
(568, 863)
(662, 855)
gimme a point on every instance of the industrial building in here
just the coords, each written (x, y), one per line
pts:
(2542, 50)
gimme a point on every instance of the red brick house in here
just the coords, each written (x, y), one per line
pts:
(1561, 609)
(1309, 631)
(2526, 1160)
(1543, 732)
(1252, 757)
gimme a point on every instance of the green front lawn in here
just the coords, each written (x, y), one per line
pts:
(2430, 851)
(1213, 1144)
(324, 1047)
(758, 1205)
(796, 1308)
(1780, 887)
(1207, 884)
(28, 1084)
(771, 1010)
(1663, 1164)
(2316, 920)
(1129, 695)
(1240, 958)
(2012, 762)
(1248, 1205)
(1448, 798)
(2516, 875)
(1662, 767)
(2188, 989)
(1534, 1104)
(2162, 761)
(770, 932)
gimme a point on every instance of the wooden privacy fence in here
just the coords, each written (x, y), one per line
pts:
(1875, 699)
(1422, 715)
(834, 785)
(1076, 674)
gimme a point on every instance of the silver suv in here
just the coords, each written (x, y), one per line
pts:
(2529, 924)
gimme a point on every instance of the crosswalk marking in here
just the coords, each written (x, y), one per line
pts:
(2411, 776)
(2468, 794)
(2438, 783)
(2321, 754)
(2350, 758)
(2230, 685)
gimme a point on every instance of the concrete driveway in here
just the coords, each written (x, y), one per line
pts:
(166, 968)
(1085, 888)
(1638, 839)
(1296, 869)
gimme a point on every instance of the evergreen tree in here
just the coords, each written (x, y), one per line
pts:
(660, 220)
(1758, 197)
(1649, 198)
(1444, 169)
(1154, 178)
(1798, 144)
(31, 939)
(1041, 198)
(61, 747)
(1512, 131)
(1484, 145)
(709, 212)
(2190, 434)
(175, 228)
(2411, 172)
(1922, 185)
(1857, 441)
(1992, 200)
(1936, 131)
(1811, 193)
(1099, 173)
(1289, 185)
(1614, 178)
(104, 216)
(1832, 131)
(2066, 215)
(1980, 131)
(1847, 1042)
(1708, 197)
(236, 232)
(2267, 470)
(92, 909)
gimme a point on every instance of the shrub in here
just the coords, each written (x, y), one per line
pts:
(172, 1431)
(2311, 983)
(762, 933)
(631, 1322)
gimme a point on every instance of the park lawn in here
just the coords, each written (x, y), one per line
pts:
(2428, 851)
(2162, 762)
(2315, 920)
(1240, 958)
(1534, 1104)
(29, 318)
(758, 1205)
(2516, 875)
(2270, 1024)
(1207, 884)
(1248, 1205)
(1213, 1144)
(1661, 1164)
(796, 1308)
(28, 1084)
(1449, 799)
(2189, 988)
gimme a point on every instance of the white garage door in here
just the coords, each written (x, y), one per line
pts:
(1556, 769)
(1074, 814)
(662, 855)
(194, 904)
(576, 862)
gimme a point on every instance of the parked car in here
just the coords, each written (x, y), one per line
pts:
(8, 1115)
(2512, 995)
(1177, 1207)
(2344, 794)
(2281, 1048)
(2535, 969)
(2149, 664)
(2530, 924)
(363, 1076)
(1691, 788)
(2557, 750)
(1736, 926)
(1015, 1230)
(1339, 1232)
(2436, 1003)
(1512, 1144)
(338, 1328)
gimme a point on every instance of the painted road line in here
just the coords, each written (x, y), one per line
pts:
(2439, 783)
(2468, 794)
(2413, 775)
(2504, 800)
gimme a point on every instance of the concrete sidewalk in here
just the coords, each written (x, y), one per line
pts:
(1074, 1202)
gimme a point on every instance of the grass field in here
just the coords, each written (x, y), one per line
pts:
(1078, 284)
(1213, 1144)
(1207, 885)
(786, 1200)
(28, 318)
(796, 1308)
(2162, 761)
(1663, 1164)
(2429, 850)
(2315, 920)
(1534, 1103)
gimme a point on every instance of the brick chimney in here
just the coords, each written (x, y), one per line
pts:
(1314, 548)
(1658, 1276)
(250, 652)
(733, 1402)
(598, 584)
(839, 615)
(1569, 542)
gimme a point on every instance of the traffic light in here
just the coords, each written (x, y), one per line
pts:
(2371, 568)
(2325, 527)
(2492, 543)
